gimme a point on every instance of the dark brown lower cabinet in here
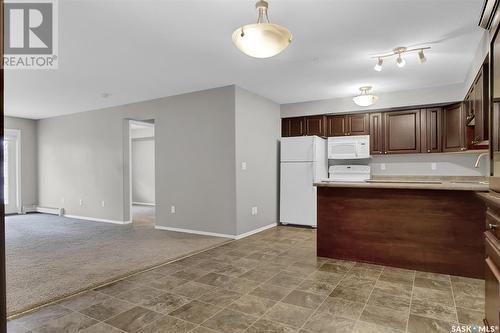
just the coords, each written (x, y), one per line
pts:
(437, 231)
(492, 258)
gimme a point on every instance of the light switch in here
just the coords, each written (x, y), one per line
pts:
(382, 166)
(433, 166)
(172, 209)
(243, 165)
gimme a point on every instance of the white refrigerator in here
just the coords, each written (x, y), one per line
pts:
(303, 162)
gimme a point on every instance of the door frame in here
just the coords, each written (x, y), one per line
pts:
(128, 169)
(17, 134)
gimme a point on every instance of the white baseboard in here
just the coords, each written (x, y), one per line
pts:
(255, 231)
(40, 209)
(206, 233)
(87, 218)
(143, 204)
(197, 232)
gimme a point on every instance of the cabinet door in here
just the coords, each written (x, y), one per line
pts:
(285, 127)
(376, 133)
(492, 281)
(358, 124)
(336, 126)
(402, 132)
(479, 109)
(453, 128)
(431, 130)
(316, 125)
(297, 126)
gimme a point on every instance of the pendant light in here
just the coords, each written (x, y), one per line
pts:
(262, 39)
(365, 98)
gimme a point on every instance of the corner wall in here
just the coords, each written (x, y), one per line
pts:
(257, 144)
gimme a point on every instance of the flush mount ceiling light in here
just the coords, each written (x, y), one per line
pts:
(365, 98)
(262, 39)
(398, 52)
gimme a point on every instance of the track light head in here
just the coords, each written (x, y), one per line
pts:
(378, 66)
(421, 56)
(400, 61)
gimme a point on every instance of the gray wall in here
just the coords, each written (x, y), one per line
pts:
(257, 136)
(29, 186)
(143, 171)
(195, 154)
(85, 156)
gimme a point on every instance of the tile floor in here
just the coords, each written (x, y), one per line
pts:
(270, 282)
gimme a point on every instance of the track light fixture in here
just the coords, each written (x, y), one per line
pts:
(399, 52)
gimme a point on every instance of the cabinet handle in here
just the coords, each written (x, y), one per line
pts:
(492, 226)
(428, 150)
(463, 149)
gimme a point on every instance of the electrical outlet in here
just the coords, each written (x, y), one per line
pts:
(62, 200)
(103, 203)
(255, 210)
(81, 202)
(382, 166)
(172, 209)
(433, 166)
(243, 165)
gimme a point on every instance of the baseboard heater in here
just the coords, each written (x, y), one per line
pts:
(45, 210)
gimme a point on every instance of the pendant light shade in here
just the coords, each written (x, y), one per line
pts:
(262, 39)
(365, 98)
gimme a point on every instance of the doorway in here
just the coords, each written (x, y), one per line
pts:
(12, 174)
(142, 172)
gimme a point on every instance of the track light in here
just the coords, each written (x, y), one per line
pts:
(400, 61)
(399, 52)
(421, 56)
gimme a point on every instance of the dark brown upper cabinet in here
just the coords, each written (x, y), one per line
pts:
(454, 128)
(295, 126)
(431, 125)
(336, 126)
(351, 124)
(316, 125)
(358, 124)
(402, 132)
(376, 131)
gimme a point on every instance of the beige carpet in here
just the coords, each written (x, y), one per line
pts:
(49, 257)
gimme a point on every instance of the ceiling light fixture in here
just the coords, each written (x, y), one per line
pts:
(365, 98)
(398, 52)
(262, 39)
(378, 66)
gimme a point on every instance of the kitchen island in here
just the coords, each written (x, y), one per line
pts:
(429, 225)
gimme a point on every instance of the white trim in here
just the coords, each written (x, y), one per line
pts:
(143, 204)
(95, 219)
(197, 232)
(16, 134)
(252, 232)
(50, 210)
(206, 233)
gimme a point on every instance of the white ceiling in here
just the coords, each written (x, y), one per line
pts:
(145, 49)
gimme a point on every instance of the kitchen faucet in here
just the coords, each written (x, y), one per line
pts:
(476, 165)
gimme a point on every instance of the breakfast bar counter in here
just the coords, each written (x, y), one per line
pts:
(412, 225)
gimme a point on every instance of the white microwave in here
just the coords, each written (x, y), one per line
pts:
(349, 147)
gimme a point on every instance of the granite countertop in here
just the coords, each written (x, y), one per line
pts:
(466, 183)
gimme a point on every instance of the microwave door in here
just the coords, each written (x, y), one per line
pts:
(343, 151)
